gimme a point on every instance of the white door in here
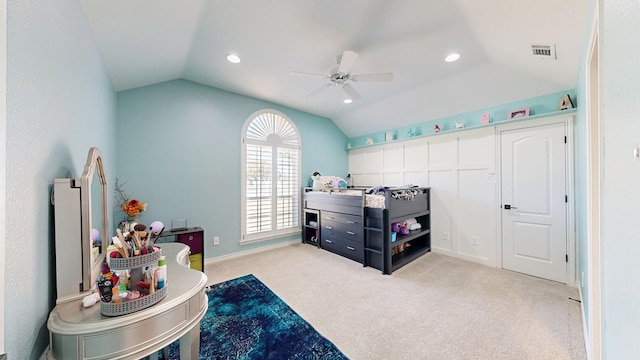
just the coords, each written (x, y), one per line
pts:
(534, 208)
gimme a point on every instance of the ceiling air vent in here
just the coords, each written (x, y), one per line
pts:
(544, 51)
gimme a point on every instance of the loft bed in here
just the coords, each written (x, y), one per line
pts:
(360, 225)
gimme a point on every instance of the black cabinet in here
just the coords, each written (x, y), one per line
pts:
(387, 251)
(342, 234)
(311, 227)
(192, 237)
(341, 225)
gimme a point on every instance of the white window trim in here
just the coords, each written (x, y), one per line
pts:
(273, 234)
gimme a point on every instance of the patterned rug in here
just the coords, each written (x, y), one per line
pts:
(246, 320)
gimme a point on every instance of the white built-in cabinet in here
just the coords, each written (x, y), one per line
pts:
(462, 170)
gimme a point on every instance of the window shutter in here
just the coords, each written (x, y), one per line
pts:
(272, 177)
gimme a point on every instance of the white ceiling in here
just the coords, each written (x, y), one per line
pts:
(149, 41)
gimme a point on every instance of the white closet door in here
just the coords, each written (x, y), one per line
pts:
(534, 211)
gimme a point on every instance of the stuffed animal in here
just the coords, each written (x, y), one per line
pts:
(317, 180)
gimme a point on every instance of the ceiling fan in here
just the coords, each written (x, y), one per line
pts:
(342, 76)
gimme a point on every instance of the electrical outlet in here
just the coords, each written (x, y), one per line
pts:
(216, 240)
(445, 236)
(474, 240)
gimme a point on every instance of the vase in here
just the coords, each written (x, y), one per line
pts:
(133, 219)
(125, 225)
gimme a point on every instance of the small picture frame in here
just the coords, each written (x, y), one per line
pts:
(485, 118)
(520, 113)
(388, 136)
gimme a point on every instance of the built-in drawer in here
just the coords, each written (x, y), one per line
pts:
(349, 249)
(342, 218)
(335, 229)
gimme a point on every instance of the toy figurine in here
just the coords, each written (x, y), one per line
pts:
(436, 129)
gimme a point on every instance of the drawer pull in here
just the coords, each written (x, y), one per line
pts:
(329, 227)
(329, 241)
(351, 248)
(351, 233)
(350, 222)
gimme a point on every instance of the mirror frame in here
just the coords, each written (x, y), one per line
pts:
(91, 271)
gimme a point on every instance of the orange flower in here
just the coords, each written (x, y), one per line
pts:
(133, 207)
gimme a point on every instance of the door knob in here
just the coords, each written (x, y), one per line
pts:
(509, 207)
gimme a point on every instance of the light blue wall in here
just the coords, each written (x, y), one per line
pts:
(540, 105)
(179, 151)
(620, 79)
(60, 103)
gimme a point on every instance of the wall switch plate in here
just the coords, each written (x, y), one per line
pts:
(216, 240)
(445, 236)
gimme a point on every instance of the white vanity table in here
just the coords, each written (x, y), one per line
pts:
(84, 333)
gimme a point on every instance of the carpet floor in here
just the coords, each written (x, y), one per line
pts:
(245, 320)
(437, 307)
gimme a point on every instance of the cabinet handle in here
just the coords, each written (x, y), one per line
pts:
(328, 241)
(329, 227)
(351, 233)
(329, 217)
(350, 222)
(351, 248)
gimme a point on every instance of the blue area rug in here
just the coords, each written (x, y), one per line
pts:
(246, 320)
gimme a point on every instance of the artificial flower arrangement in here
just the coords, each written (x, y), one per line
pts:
(131, 207)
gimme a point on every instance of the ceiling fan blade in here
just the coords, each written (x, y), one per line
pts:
(346, 61)
(372, 77)
(319, 90)
(351, 92)
(297, 73)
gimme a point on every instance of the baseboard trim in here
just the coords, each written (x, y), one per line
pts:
(585, 332)
(473, 259)
(238, 254)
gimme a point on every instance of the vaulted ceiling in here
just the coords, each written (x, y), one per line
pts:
(149, 41)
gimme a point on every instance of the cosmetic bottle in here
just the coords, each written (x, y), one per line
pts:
(161, 273)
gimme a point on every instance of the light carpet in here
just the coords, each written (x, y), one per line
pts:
(437, 307)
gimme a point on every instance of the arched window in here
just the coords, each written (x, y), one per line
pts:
(271, 176)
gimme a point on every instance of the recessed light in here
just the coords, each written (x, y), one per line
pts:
(347, 101)
(233, 58)
(452, 57)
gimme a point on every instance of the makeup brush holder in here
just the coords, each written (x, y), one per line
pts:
(134, 264)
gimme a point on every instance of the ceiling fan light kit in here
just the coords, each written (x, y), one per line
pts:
(342, 76)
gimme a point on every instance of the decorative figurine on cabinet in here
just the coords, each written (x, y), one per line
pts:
(459, 125)
(436, 129)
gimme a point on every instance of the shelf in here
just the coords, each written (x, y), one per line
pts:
(430, 124)
(401, 239)
(311, 233)
(415, 216)
(407, 256)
